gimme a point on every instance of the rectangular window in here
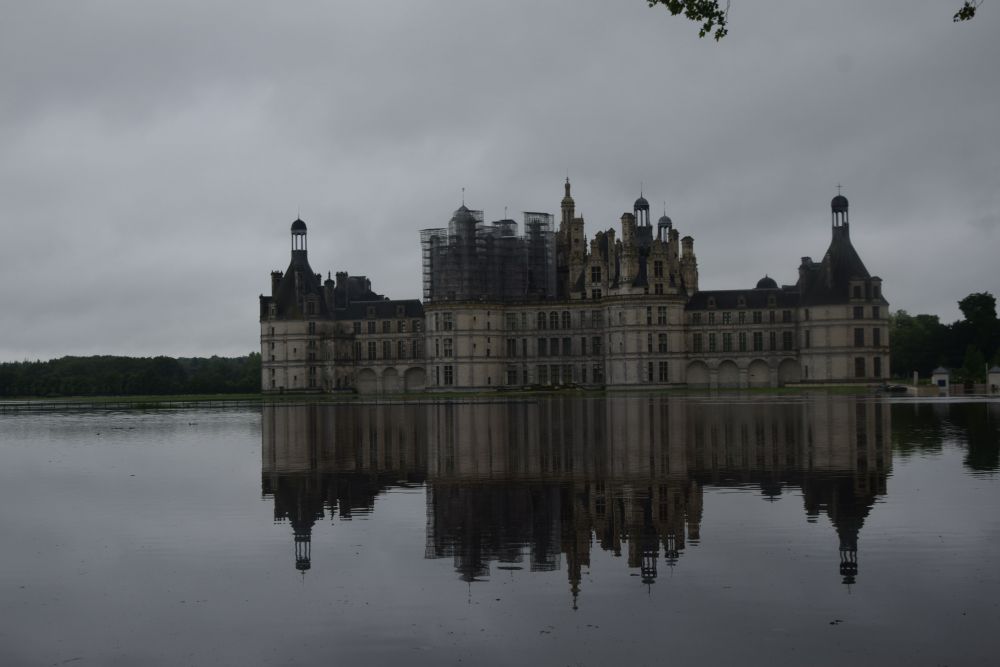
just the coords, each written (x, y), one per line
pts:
(567, 346)
(727, 342)
(583, 345)
(649, 314)
(416, 349)
(786, 340)
(664, 375)
(372, 350)
(386, 326)
(772, 341)
(401, 349)
(661, 314)
(566, 320)
(543, 374)
(371, 326)
(658, 288)
(595, 346)
(553, 320)
(859, 337)
(417, 325)
(743, 340)
(583, 319)
(757, 317)
(595, 294)
(649, 372)
(449, 376)
(553, 347)
(695, 318)
(510, 322)
(711, 342)
(758, 341)
(357, 328)
(312, 327)
(386, 349)
(856, 292)
(543, 347)
(696, 343)
(661, 342)
(511, 375)
(876, 337)
(877, 367)
(649, 342)
(524, 350)
(657, 269)
(859, 312)
(598, 373)
(859, 367)
(741, 317)
(807, 339)
(448, 349)
(447, 322)
(357, 350)
(876, 313)
(511, 347)
(711, 318)
(595, 274)
(401, 326)
(786, 316)
(727, 318)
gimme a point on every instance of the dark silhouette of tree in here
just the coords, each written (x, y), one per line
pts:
(714, 17)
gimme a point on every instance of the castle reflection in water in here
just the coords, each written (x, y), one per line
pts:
(542, 481)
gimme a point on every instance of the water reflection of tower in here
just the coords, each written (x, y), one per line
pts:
(320, 460)
(850, 456)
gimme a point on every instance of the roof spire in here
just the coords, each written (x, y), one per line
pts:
(463, 196)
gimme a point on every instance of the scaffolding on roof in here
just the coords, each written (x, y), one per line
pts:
(472, 261)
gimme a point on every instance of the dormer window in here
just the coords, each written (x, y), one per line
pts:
(741, 301)
(711, 302)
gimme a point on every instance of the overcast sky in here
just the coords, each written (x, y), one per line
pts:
(154, 154)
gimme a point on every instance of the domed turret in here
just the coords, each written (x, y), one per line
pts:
(838, 212)
(298, 235)
(641, 204)
(767, 283)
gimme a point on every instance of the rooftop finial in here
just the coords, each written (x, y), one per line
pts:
(838, 188)
(463, 196)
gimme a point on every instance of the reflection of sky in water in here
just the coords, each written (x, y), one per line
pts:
(159, 538)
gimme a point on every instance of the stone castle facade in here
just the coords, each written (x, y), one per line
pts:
(552, 308)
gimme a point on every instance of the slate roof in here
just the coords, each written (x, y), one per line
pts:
(755, 299)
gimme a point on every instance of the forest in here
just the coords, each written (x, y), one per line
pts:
(966, 347)
(130, 376)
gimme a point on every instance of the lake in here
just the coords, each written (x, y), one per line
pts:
(801, 529)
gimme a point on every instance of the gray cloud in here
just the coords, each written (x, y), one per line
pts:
(155, 155)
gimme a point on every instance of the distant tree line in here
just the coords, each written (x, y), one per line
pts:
(922, 343)
(130, 376)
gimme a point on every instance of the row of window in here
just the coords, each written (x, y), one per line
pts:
(741, 341)
(859, 312)
(859, 337)
(404, 349)
(756, 317)
(401, 326)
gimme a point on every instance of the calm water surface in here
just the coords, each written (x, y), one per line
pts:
(562, 531)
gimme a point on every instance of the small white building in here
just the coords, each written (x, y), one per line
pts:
(941, 378)
(993, 381)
